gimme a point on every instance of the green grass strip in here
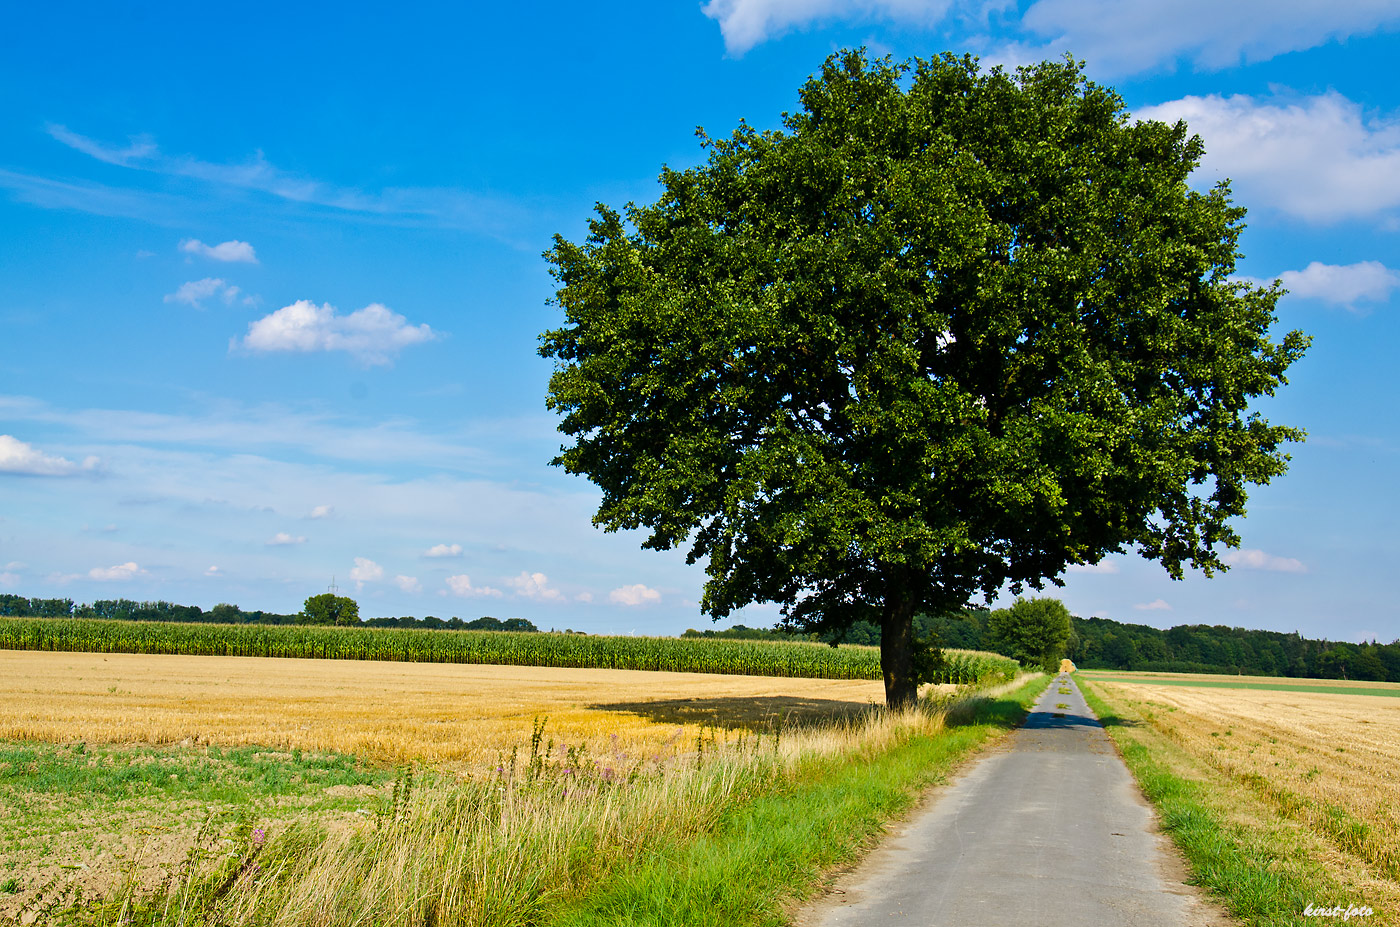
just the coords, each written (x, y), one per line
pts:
(1256, 864)
(1393, 692)
(774, 849)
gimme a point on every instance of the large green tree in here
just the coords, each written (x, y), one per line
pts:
(946, 331)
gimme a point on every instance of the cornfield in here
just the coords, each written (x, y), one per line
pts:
(680, 655)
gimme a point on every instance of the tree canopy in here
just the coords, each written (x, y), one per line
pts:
(945, 332)
(328, 608)
(1034, 631)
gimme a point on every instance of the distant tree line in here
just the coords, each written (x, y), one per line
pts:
(19, 606)
(1102, 643)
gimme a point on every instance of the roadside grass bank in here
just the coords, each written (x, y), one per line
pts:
(764, 854)
(1263, 866)
(728, 831)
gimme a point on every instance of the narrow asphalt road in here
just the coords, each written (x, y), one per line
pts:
(1049, 828)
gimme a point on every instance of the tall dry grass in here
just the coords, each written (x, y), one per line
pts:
(502, 848)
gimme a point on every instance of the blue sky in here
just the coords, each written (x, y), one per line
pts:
(270, 285)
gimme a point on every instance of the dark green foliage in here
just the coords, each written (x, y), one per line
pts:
(947, 331)
(1033, 631)
(328, 608)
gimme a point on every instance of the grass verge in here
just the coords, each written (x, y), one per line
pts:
(765, 853)
(1263, 868)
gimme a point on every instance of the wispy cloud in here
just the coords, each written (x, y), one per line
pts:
(1251, 559)
(283, 539)
(26, 460)
(321, 511)
(228, 251)
(444, 550)
(1103, 566)
(1156, 605)
(489, 214)
(408, 584)
(373, 335)
(195, 292)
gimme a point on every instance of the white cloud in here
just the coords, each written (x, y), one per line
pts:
(444, 550)
(283, 539)
(1318, 158)
(1115, 37)
(1103, 566)
(584, 597)
(636, 594)
(1258, 560)
(213, 571)
(195, 292)
(1342, 285)
(746, 23)
(9, 579)
(25, 459)
(321, 511)
(1119, 38)
(16, 565)
(373, 335)
(462, 586)
(121, 571)
(228, 252)
(1156, 605)
(408, 583)
(534, 586)
(366, 571)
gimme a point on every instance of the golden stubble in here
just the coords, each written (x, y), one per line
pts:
(1327, 761)
(443, 714)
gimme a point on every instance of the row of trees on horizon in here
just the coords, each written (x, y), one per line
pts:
(1092, 643)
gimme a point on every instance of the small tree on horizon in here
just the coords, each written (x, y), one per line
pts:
(328, 608)
(1033, 631)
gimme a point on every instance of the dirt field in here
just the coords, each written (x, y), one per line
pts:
(1325, 760)
(454, 715)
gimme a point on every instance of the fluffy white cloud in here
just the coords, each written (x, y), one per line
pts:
(25, 459)
(1113, 36)
(1341, 284)
(1103, 566)
(462, 586)
(534, 586)
(195, 292)
(635, 594)
(229, 251)
(213, 571)
(1144, 35)
(1318, 158)
(1258, 560)
(283, 539)
(444, 550)
(373, 335)
(321, 511)
(1156, 605)
(121, 571)
(366, 571)
(408, 583)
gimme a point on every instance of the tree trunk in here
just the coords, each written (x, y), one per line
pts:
(897, 651)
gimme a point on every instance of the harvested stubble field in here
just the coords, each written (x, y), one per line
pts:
(1324, 761)
(461, 716)
(142, 795)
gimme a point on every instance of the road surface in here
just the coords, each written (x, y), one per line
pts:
(1048, 828)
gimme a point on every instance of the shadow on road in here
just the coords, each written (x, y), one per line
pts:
(753, 714)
